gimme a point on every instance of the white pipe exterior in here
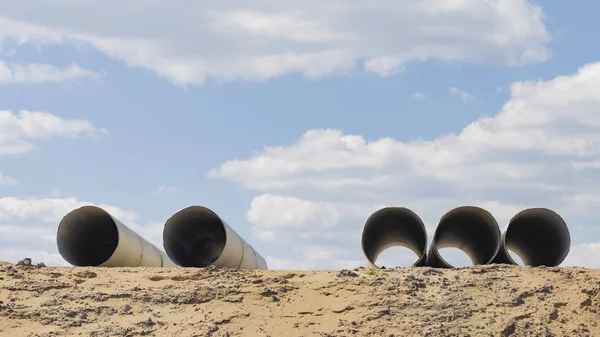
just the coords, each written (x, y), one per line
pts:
(197, 237)
(90, 236)
(135, 251)
(237, 253)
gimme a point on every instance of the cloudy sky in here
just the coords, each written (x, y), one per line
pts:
(295, 120)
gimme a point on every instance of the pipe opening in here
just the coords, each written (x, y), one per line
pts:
(515, 257)
(87, 236)
(456, 257)
(539, 236)
(194, 237)
(470, 229)
(394, 227)
(396, 257)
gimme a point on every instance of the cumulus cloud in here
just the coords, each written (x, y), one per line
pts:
(585, 254)
(43, 73)
(464, 96)
(298, 212)
(419, 96)
(310, 257)
(260, 40)
(542, 149)
(164, 189)
(14, 255)
(538, 124)
(17, 130)
(278, 218)
(7, 181)
(50, 209)
(31, 224)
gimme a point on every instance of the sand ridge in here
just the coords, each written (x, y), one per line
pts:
(497, 300)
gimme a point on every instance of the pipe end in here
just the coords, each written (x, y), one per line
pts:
(471, 229)
(87, 236)
(392, 227)
(539, 236)
(194, 237)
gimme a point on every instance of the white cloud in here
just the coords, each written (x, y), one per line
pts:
(7, 181)
(463, 95)
(260, 40)
(274, 26)
(14, 255)
(586, 254)
(311, 257)
(276, 263)
(43, 73)
(19, 234)
(50, 210)
(28, 226)
(164, 189)
(419, 96)
(16, 130)
(297, 212)
(384, 65)
(56, 193)
(541, 149)
(538, 124)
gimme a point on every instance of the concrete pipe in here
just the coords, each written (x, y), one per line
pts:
(391, 227)
(196, 237)
(539, 236)
(470, 229)
(89, 236)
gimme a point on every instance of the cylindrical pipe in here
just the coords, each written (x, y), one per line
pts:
(197, 237)
(391, 227)
(89, 236)
(539, 236)
(470, 229)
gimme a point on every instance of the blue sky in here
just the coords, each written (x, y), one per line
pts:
(170, 95)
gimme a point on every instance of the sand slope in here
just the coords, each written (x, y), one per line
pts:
(477, 301)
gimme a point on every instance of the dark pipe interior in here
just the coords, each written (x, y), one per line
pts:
(539, 236)
(470, 229)
(87, 236)
(194, 237)
(394, 226)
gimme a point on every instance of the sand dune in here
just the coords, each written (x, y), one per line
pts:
(477, 301)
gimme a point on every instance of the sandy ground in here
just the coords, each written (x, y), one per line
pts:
(476, 301)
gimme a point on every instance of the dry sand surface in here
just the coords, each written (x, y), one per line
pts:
(477, 301)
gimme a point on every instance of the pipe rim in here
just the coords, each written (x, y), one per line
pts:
(174, 250)
(557, 222)
(399, 211)
(434, 252)
(77, 249)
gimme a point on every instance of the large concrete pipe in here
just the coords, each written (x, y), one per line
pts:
(470, 229)
(391, 227)
(197, 237)
(89, 236)
(539, 236)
